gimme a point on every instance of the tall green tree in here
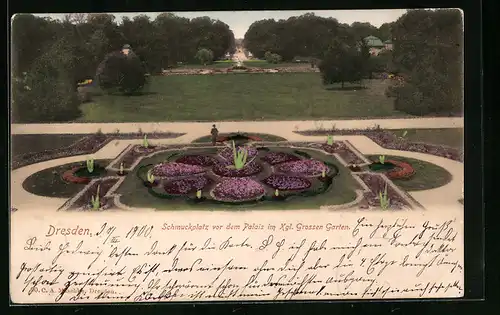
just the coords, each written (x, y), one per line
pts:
(342, 63)
(47, 92)
(428, 53)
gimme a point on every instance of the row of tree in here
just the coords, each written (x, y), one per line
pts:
(49, 57)
(160, 43)
(307, 35)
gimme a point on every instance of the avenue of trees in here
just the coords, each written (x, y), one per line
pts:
(50, 56)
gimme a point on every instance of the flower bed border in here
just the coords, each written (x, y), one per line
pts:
(70, 177)
(393, 142)
(403, 170)
(79, 147)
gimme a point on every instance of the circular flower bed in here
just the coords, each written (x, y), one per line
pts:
(226, 169)
(310, 168)
(283, 182)
(237, 190)
(274, 158)
(201, 160)
(173, 169)
(186, 185)
(393, 169)
(227, 153)
(403, 170)
(81, 175)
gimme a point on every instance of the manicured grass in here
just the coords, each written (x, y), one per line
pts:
(285, 96)
(427, 175)
(22, 144)
(341, 191)
(49, 183)
(451, 137)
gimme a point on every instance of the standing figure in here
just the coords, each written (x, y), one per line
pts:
(215, 133)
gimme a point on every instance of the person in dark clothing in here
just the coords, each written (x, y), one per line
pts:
(215, 133)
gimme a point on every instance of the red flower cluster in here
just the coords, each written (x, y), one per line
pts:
(401, 171)
(70, 177)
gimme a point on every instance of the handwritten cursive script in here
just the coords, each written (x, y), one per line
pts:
(359, 258)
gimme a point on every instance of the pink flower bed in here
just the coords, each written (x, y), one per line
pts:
(283, 182)
(227, 153)
(237, 189)
(224, 169)
(186, 185)
(201, 160)
(303, 167)
(173, 169)
(274, 158)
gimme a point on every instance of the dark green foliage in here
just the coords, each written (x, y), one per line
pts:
(343, 63)
(272, 58)
(121, 73)
(428, 52)
(47, 91)
(305, 35)
(205, 56)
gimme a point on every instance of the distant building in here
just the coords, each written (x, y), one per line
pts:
(374, 44)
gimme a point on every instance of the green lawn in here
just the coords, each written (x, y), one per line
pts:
(451, 137)
(286, 96)
(49, 183)
(427, 175)
(341, 191)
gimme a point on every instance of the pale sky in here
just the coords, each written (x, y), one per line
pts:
(239, 21)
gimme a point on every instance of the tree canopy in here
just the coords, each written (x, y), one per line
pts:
(307, 35)
(428, 53)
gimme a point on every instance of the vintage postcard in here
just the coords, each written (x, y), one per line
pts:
(237, 156)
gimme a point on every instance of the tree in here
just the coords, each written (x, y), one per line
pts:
(428, 53)
(385, 31)
(205, 56)
(47, 91)
(362, 30)
(272, 58)
(342, 63)
(121, 73)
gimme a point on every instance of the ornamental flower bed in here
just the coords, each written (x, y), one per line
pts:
(283, 182)
(309, 168)
(224, 169)
(390, 141)
(80, 174)
(377, 184)
(403, 170)
(238, 190)
(173, 169)
(201, 160)
(83, 202)
(274, 158)
(227, 153)
(186, 185)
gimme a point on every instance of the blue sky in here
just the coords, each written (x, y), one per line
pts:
(239, 21)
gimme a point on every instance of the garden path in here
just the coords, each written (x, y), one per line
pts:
(447, 195)
(280, 128)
